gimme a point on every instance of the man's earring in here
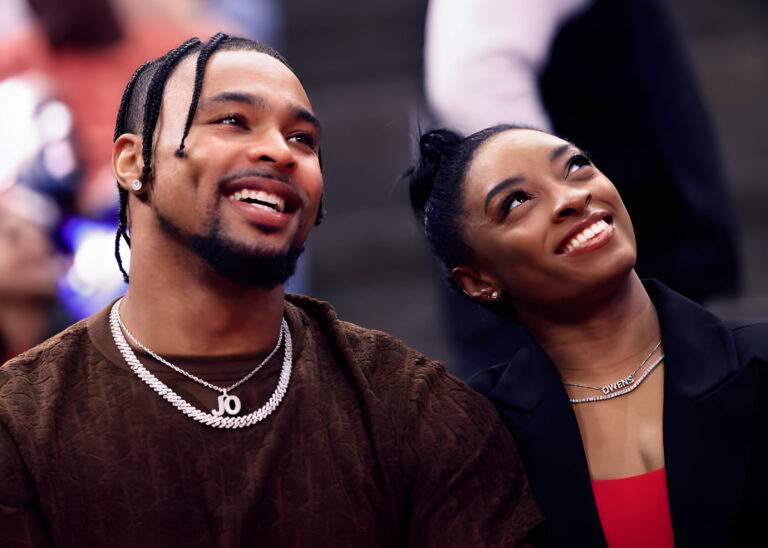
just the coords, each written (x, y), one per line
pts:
(495, 295)
(137, 185)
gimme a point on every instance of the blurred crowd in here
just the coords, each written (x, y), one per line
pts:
(608, 74)
(63, 66)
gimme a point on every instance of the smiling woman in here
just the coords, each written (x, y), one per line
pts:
(618, 380)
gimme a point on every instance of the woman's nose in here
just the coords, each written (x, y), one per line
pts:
(570, 202)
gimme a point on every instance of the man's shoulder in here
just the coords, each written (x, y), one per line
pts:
(34, 365)
(381, 357)
(364, 344)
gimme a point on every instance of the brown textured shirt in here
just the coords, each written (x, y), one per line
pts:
(372, 445)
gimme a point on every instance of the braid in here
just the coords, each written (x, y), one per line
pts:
(125, 101)
(155, 99)
(120, 123)
(151, 112)
(122, 231)
(202, 61)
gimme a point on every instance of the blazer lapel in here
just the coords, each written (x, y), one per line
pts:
(533, 403)
(710, 405)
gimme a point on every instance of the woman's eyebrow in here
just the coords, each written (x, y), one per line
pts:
(559, 151)
(501, 186)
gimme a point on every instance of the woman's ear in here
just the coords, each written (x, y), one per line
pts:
(476, 285)
(127, 163)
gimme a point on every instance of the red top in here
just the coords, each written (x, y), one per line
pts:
(634, 511)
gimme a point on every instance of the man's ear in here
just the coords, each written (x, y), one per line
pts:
(476, 285)
(127, 163)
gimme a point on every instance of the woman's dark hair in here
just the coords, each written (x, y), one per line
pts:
(436, 182)
(143, 96)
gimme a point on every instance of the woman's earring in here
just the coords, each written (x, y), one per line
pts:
(136, 185)
(495, 295)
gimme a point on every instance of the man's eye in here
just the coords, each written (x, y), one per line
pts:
(516, 199)
(577, 162)
(231, 120)
(305, 139)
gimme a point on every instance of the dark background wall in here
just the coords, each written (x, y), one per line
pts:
(361, 63)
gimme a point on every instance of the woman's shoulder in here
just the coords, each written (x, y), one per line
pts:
(485, 381)
(751, 339)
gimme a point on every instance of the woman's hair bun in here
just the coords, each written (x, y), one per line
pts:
(435, 147)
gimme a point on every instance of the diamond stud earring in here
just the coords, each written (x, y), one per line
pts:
(136, 185)
(494, 295)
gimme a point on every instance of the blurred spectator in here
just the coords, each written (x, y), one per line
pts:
(88, 49)
(611, 76)
(30, 268)
(38, 177)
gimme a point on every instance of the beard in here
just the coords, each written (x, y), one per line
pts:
(239, 263)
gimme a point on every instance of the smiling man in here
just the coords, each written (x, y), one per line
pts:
(206, 407)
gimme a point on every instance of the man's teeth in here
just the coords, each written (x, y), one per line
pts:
(263, 199)
(586, 234)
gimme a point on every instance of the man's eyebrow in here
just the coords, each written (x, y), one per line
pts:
(249, 99)
(303, 114)
(501, 186)
(559, 151)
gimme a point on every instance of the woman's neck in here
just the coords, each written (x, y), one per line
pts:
(610, 338)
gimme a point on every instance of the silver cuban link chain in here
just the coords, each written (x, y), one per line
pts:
(228, 403)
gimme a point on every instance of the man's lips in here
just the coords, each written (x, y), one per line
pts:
(587, 235)
(265, 190)
(263, 201)
(262, 216)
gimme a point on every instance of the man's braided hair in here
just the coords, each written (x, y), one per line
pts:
(143, 96)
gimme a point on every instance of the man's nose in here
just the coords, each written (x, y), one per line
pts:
(271, 147)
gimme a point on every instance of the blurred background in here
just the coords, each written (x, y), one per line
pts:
(363, 64)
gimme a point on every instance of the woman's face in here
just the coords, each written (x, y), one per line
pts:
(545, 225)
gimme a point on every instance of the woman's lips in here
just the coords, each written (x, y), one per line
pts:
(593, 237)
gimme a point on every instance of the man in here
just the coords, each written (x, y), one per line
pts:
(206, 408)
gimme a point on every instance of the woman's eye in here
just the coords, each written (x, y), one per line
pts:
(305, 139)
(516, 199)
(577, 162)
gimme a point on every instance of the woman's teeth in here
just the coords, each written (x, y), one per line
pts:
(585, 235)
(259, 198)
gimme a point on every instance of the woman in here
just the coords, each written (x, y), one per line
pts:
(639, 415)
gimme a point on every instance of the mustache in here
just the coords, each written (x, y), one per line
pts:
(254, 172)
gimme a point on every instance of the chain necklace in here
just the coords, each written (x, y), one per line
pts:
(228, 403)
(621, 386)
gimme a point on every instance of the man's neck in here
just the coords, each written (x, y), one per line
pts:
(191, 310)
(610, 339)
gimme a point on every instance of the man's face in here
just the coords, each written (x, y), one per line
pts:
(250, 178)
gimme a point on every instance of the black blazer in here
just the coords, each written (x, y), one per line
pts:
(715, 438)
